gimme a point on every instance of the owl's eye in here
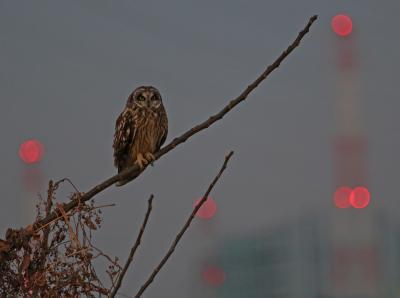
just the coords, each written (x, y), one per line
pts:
(154, 97)
(140, 98)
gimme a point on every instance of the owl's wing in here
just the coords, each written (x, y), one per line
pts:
(162, 135)
(123, 138)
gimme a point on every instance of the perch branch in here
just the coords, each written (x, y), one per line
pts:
(134, 248)
(134, 171)
(184, 228)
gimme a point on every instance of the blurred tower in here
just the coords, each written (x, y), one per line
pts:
(354, 253)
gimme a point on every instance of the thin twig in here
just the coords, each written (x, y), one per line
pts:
(103, 206)
(49, 223)
(134, 171)
(78, 252)
(72, 235)
(49, 204)
(184, 228)
(70, 182)
(134, 248)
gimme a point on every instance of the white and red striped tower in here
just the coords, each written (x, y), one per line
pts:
(354, 261)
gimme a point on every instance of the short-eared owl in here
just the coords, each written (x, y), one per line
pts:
(140, 130)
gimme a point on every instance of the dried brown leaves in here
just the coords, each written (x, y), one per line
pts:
(56, 260)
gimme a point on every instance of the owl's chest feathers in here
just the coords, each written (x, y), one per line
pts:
(146, 123)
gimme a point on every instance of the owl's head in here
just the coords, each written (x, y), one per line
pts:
(145, 97)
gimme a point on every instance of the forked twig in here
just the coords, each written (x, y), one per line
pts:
(184, 228)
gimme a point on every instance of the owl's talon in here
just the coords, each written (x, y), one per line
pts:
(149, 156)
(141, 161)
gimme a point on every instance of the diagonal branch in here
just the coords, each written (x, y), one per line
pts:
(184, 228)
(134, 171)
(134, 248)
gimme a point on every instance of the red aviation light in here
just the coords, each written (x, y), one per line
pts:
(360, 197)
(207, 210)
(31, 151)
(214, 276)
(342, 25)
(341, 197)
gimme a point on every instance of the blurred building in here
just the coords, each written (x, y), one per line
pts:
(347, 254)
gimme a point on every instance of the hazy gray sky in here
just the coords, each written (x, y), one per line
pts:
(67, 68)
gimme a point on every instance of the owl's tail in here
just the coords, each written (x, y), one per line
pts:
(124, 181)
(122, 165)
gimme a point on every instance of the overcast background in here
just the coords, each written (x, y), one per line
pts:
(67, 68)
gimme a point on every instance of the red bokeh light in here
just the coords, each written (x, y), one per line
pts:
(31, 151)
(342, 196)
(207, 210)
(360, 197)
(214, 275)
(342, 25)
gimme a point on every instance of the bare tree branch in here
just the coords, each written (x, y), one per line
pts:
(134, 248)
(134, 171)
(184, 228)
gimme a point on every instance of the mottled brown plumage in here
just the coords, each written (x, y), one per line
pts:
(140, 130)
